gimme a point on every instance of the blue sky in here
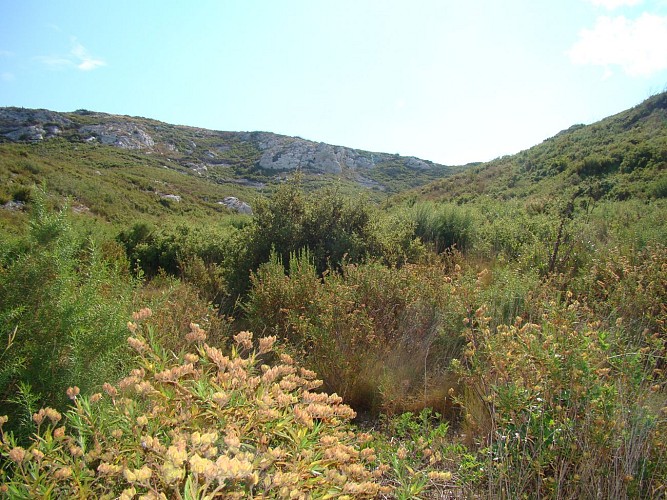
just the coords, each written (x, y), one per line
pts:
(449, 81)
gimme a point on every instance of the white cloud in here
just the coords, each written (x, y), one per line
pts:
(85, 61)
(56, 62)
(7, 77)
(78, 57)
(614, 4)
(638, 46)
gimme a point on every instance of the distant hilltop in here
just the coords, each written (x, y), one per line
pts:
(263, 154)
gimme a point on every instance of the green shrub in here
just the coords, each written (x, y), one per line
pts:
(659, 187)
(565, 408)
(62, 312)
(379, 336)
(433, 458)
(444, 226)
(507, 230)
(333, 228)
(22, 194)
(328, 224)
(201, 255)
(596, 164)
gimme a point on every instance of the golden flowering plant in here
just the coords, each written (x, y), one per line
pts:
(200, 424)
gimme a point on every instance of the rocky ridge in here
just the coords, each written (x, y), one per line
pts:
(224, 156)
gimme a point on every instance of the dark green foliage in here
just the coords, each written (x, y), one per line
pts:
(659, 188)
(596, 165)
(198, 254)
(333, 228)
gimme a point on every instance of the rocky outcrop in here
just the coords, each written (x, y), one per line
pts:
(237, 205)
(122, 135)
(24, 117)
(221, 155)
(293, 153)
(171, 197)
(13, 205)
(20, 124)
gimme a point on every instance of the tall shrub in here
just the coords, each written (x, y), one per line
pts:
(62, 311)
(379, 336)
(565, 408)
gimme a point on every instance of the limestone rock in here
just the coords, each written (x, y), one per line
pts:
(20, 124)
(171, 197)
(237, 205)
(122, 135)
(13, 205)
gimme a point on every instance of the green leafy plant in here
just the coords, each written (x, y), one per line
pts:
(62, 311)
(379, 336)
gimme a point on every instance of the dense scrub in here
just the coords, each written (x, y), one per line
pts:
(510, 345)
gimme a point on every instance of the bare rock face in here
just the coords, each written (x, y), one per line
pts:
(237, 205)
(122, 135)
(292, 153)
(20, 124)
(412, 162)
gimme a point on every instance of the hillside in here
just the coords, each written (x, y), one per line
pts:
(235, 160)
(621, 157)
(499, 333)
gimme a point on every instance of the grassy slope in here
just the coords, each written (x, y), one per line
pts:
(116, 185)
(233, 158)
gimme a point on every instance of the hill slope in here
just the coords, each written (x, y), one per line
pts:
(620, 157)
(243, 158)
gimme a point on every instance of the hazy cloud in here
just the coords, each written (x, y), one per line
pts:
(614, 4)
(78, 57)
(85, 61)
(7, 76)
(638, 46)
(56, 62)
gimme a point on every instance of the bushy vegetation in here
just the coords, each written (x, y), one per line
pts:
(504, 339)
(566, 408)
(379, 336)
(200, 425)
(64, 309)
